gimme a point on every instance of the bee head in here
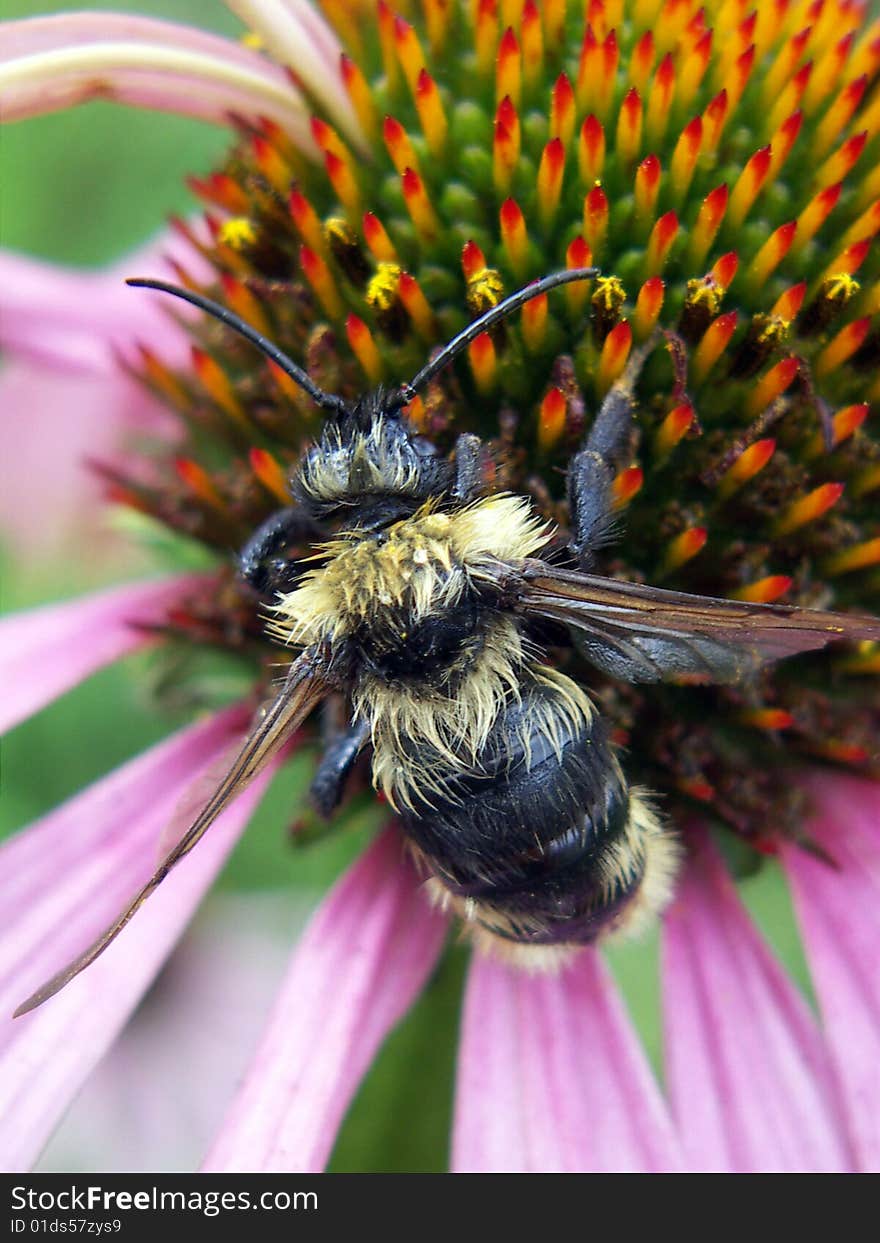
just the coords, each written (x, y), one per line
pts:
(369, 468)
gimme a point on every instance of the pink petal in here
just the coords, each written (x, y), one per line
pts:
(78, 321)
(297, 36)
(148, 63)
(53, 423)
(147, 1108)
(52, 33)
(65, 398)
(45, 651)
(363, 959)
(553, 1078)
(51, 315)
(64, 880)
(838, 910)
(747, 1072)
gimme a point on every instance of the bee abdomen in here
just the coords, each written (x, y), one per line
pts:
(542, 844)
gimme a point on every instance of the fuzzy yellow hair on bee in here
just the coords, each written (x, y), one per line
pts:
(418, 566)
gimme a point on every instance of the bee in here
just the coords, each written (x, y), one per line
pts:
(423, 608)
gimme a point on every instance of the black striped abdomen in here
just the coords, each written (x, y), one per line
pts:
(532, 841)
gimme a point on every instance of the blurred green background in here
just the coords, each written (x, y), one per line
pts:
(83, 188)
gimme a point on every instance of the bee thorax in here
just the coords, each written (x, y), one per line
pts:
(387, 583)
(380, 584)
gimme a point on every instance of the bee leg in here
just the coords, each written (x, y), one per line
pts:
(334, 768)
(470, 459)
(592, 470)
(590, 479)
(262, 562)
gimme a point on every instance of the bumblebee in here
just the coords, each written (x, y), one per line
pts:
(423, 606)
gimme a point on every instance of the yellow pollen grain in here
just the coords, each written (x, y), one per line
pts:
(237, 233)
(484, 290)
(382, 291)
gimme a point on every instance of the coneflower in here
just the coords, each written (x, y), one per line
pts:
(391, 176)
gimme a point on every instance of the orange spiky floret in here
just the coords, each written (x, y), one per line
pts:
(306, 219)
(551, 419)
(398, 145)
(505, 146)
(642, 62)
(707, 224)
(319, 277)
(508, 74)
(626, 485)
(484, 362)
(591, 150)
(551, 171)
(362, 343)
(534, 323)
(514, 237)
(713, 344)
(660, 242)
(419, 205)
(771, 254)
(748, 186)
(377, 239)
(647, 188)
(612, 359)
(360, 94)
(417, 306)
(683, 548)
(808, 508)
(673, 429)
(844, 423)
(765, 590)
(714, 118)
(747, 465)
(344, 182)
(629, 127)
(771, 385)
(842, 347)
(684, 158)
(562, 110)
(244, 302)
(438, 16)
(660, 97)
(577, 255)
(532, 36)
(769, 719)
(271, 163)
(409, 52)
(200, 483)
(857, 557)
(217, 384)
(431, 114)
(486, 35)
(649, 304)
(270, 474)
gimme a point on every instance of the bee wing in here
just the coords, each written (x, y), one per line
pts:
(305, 684)
(646, 634)
(195, 797)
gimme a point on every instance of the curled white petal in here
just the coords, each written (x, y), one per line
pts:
(66, 30)
(152, 75)
(300, 38)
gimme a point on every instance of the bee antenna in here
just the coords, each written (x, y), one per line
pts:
(329, 401)
(485, 321)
